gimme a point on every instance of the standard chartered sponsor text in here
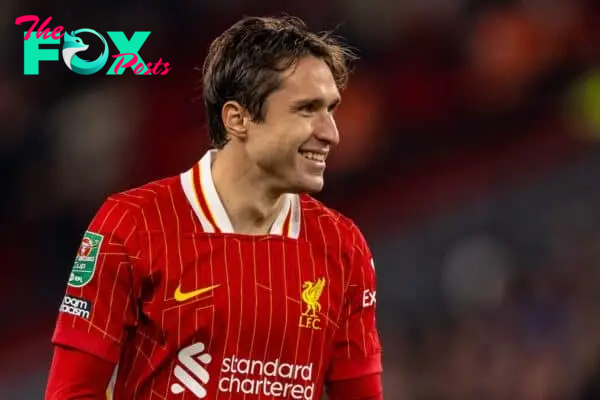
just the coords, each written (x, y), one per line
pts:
(259, 377)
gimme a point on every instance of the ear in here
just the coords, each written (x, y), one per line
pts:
(235, 118)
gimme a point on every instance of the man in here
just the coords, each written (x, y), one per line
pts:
(228, 281)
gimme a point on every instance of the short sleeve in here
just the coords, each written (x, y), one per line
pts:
(357, 349)
(99, 304)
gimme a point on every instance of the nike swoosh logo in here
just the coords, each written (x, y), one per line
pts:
(181, 296)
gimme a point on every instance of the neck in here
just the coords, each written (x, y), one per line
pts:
(251, 204)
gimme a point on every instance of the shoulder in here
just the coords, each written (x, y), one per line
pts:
(327, 227)
(143, 196)
(318, 216)
(147, 201)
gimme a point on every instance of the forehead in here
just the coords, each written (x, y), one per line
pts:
(309, 77)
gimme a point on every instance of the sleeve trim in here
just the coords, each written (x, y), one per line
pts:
(354, 368)
(91, 344)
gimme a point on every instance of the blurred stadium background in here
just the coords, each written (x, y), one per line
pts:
(469, 157)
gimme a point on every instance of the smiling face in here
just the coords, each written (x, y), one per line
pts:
(293, 140)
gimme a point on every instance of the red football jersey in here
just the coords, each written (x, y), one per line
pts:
(188, 309)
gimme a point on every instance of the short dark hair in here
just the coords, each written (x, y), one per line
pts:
(245, 62)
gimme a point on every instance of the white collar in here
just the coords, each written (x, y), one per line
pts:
(200, 191)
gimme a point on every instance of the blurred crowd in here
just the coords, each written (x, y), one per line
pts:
(469, 157)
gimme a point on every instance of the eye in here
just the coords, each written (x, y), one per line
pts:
(333, 107)
(309, 108)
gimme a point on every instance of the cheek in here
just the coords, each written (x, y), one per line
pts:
(286, 137)
(267, 148)
(275, 145)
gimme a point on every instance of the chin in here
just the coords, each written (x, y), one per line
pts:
(311, 185)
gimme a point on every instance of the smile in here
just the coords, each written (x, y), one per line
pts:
(320, 157)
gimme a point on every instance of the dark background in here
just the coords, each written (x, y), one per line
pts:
(469, 157)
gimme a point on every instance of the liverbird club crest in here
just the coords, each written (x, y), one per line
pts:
(311, 292)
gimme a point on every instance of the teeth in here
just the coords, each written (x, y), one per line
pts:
(313, 156)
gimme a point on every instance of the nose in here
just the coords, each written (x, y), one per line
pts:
(326, 130)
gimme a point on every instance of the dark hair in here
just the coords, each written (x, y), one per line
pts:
(245, 63)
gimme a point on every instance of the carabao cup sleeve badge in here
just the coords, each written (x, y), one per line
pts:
(86, 259)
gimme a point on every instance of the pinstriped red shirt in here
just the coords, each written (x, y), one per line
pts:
(188, 309)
